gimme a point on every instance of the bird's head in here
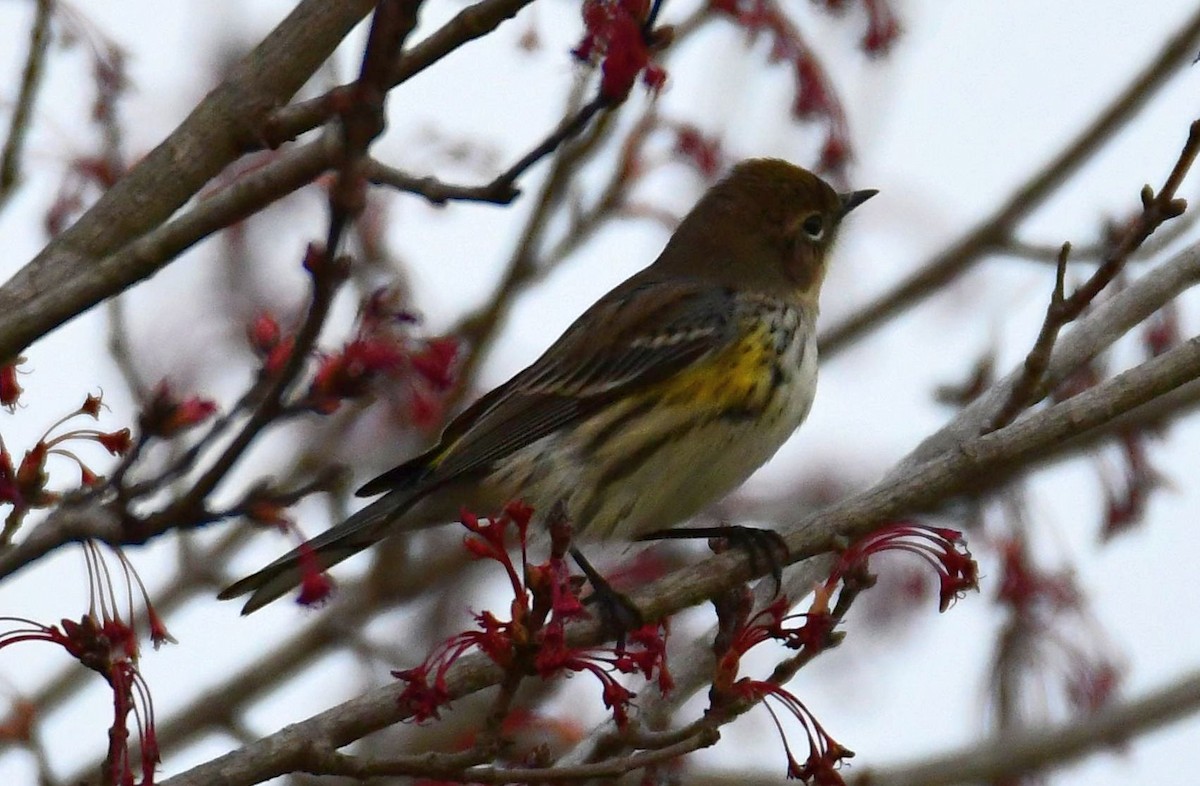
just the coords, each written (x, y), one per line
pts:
(768, 226)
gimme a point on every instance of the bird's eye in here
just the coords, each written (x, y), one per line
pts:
(814, 226)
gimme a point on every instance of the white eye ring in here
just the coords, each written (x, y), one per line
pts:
(813, 226)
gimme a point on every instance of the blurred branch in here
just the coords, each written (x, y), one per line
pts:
(995, 232)
(329, 762)
(474, 22)
(22, 115)
(76, 270)
(971, 465)
(1029, 751)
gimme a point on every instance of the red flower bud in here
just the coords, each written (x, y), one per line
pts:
(117, 442)
(91, 406)
(10, 391)
(264, 334)
(165, 416)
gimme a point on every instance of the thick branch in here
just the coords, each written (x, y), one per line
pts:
(65, 279)
(972, 466)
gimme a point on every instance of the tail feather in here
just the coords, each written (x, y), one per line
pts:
(356, 533)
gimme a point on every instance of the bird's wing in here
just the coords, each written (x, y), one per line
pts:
(636, 336)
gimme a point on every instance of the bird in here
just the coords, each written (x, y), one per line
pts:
(662, 397)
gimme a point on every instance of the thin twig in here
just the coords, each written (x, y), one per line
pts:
(1096, 252)
(1038, 358)
(502, 189)
(1156, 209)
(1034, 750)
(31, 80)
(437, 191)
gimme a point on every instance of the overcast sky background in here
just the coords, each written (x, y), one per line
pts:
(975, 96)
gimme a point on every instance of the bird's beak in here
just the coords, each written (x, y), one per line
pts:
(856, 198)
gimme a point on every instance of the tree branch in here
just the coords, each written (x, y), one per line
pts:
(1037, 749)
(31, 80)
(66, 278)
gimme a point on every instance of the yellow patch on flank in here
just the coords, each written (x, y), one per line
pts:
(738, 376)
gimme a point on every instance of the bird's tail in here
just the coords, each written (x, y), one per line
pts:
(356, 533)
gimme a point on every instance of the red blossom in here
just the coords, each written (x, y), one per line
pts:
(422, 697)
(103, 641)
(92, 406)
(615, 37)
(1056, 635)
(940, 547)
(25, 485)
(420, 372)
(1027, 589)
(278, 356)
(436, 362)
(10, 489)
(31, 474)
(1126, 507)
(533, 640)
(700, 150)
(424, 409)
(813, 96)
(1162, 331)
(825, 754)
(771, 624)
(1092, 683)
(882, 27)
(347, 374)
(834, 153)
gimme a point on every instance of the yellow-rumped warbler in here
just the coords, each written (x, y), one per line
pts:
(661, 398)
